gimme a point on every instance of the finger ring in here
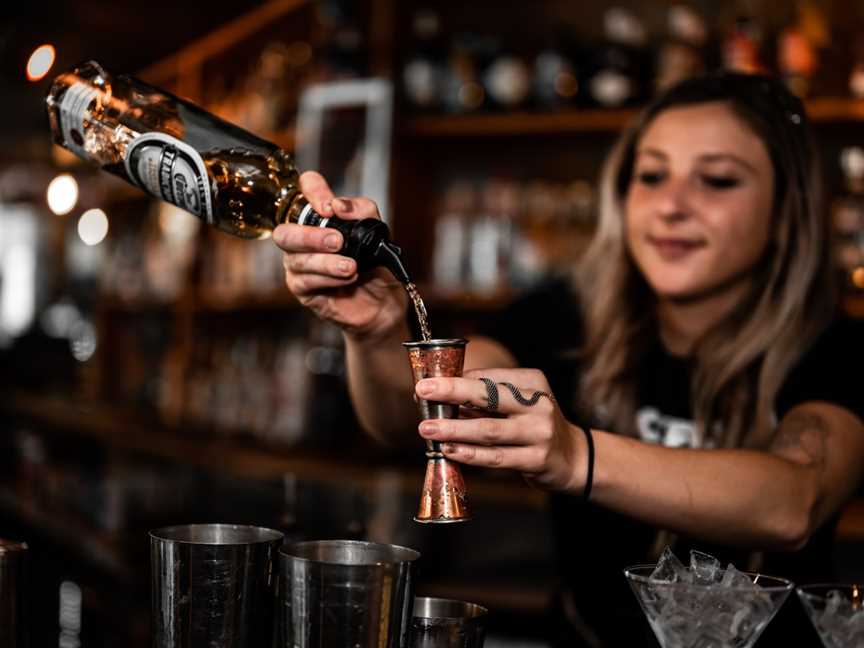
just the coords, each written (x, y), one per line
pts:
(491, 394)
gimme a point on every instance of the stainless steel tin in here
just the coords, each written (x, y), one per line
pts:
(447, 623)
(213, 586)
(14, 630)
(346, 593)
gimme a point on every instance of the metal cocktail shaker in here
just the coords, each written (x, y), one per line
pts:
(214, 585)
(346, 593)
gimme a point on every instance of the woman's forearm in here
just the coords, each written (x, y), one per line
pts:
(381, 388)
(733, 497)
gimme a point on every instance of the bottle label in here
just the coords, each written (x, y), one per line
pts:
(74, 111)
(171, 170)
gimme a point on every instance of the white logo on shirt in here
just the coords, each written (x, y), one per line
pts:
(656, 427)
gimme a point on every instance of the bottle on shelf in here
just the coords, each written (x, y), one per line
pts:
(491, 236)
(742, 46)
(423, 73)
(682, 54)
(848, 221)
(555, 82)
(450, 254)
(796, 60)
(184, 155)
(797, 48)
(619, 71)
(856, 72)
(463, 90)
(507, 80)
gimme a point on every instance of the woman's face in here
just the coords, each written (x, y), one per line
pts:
(698, 209)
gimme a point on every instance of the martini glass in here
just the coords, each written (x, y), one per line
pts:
(729, 613)
(836, 610)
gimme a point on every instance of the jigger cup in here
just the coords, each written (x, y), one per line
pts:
(443, 498)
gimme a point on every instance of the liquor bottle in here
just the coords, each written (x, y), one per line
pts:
(848, 220)
(507, 79)
(619, 67)
(741, 47)
(682, 54)
(424, 71)
(856, 72)
(184, 155)
(555, 76)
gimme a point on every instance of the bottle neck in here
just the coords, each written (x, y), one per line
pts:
(293, 207)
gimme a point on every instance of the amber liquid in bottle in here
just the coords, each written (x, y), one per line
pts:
(182, 154)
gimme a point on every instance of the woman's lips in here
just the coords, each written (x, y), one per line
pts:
(672, 249)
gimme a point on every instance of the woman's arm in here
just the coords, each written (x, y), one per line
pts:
(765, 499)
(773, 499)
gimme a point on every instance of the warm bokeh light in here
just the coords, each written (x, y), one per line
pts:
(858, 277)
(62, 194)
(93, 226)
(40, 62)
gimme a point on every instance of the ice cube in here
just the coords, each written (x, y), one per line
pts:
(836, 604)
(670, 569)
(734, 578)
(704, 568)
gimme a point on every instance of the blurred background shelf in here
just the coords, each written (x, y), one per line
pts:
(822, 110)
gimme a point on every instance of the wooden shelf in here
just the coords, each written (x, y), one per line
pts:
(821, 110)
(518, 123)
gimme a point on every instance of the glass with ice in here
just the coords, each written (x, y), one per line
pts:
(705, 605)
(836, 611)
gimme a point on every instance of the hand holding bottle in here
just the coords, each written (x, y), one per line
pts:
(367, 304)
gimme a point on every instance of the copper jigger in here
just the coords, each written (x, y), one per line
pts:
(443, 498)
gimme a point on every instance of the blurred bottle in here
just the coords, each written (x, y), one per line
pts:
(507, 80)
(450, 254)
(856, 72)
(796, 60)
(848, 219)
(463, 87)
(490, 239)
(344, 54)
(741, 47)
(797, 48)
(620, 66)
(424, 71)
(682, 54)
(555, 77)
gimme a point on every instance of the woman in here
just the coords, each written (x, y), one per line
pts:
(700, 396)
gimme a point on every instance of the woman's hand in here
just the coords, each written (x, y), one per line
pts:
(524, 431)
(368, 305)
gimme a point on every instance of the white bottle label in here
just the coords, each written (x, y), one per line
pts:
(74, 111)
(171, 170)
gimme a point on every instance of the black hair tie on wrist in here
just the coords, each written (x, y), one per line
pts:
(589, 476)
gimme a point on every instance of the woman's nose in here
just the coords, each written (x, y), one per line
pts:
(672, 200)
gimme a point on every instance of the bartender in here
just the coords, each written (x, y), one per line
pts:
(689, 386)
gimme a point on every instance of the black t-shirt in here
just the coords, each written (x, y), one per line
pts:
(543, 330)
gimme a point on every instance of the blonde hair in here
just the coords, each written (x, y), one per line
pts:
(740, 366)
